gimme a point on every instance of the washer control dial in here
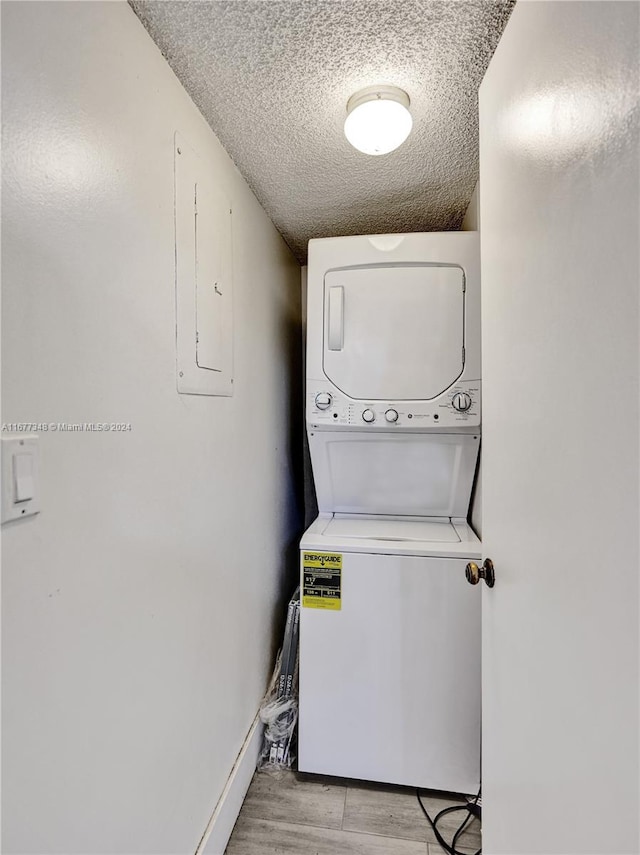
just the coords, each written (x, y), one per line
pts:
(323, 400)
(368, 416)
(462, 402)
(391, 415)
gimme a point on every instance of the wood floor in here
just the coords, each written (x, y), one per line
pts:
(294, 814)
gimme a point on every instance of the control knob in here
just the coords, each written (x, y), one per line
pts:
(461, 402)
(368, 416)
(391, 415)
(323, 400)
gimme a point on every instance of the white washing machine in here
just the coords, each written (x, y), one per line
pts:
(389, 627)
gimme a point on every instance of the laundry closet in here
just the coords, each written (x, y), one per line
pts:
(169, 171)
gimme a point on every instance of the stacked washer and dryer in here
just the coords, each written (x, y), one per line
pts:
(389, 627)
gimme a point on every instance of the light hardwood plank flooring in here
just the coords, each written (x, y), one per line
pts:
(395, 812)
(291, 814)
(286, 798)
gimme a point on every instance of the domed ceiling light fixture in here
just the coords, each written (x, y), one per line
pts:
(378, 119)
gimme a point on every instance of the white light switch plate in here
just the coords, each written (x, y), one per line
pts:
(18, 474)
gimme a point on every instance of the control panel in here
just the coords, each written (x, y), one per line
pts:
(458, 407)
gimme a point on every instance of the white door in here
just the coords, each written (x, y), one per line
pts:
(559, 237)
(402, 316)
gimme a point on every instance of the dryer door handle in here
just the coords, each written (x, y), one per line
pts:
(336, 317)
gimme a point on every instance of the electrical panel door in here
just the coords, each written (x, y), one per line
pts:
(204, 277)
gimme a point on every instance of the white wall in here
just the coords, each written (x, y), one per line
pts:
(310, 501)
(560, 206)
(138, 608)
(471, 223)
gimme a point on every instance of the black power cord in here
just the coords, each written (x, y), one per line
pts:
(472, 809)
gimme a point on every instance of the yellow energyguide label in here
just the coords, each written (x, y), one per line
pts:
(322, 580)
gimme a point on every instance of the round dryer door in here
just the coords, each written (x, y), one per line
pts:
(394, 332)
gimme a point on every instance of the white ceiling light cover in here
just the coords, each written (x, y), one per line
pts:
(378, 119)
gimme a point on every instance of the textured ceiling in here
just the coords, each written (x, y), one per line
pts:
(272, 78)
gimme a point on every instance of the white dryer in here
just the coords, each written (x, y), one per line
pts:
(389, 628)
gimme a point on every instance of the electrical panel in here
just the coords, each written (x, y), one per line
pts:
(204, 278)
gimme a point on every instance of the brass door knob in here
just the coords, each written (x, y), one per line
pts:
(486, 572)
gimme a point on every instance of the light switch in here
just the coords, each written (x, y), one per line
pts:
(20, 459)
(23, 486)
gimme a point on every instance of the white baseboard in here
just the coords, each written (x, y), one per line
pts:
(216, 836)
